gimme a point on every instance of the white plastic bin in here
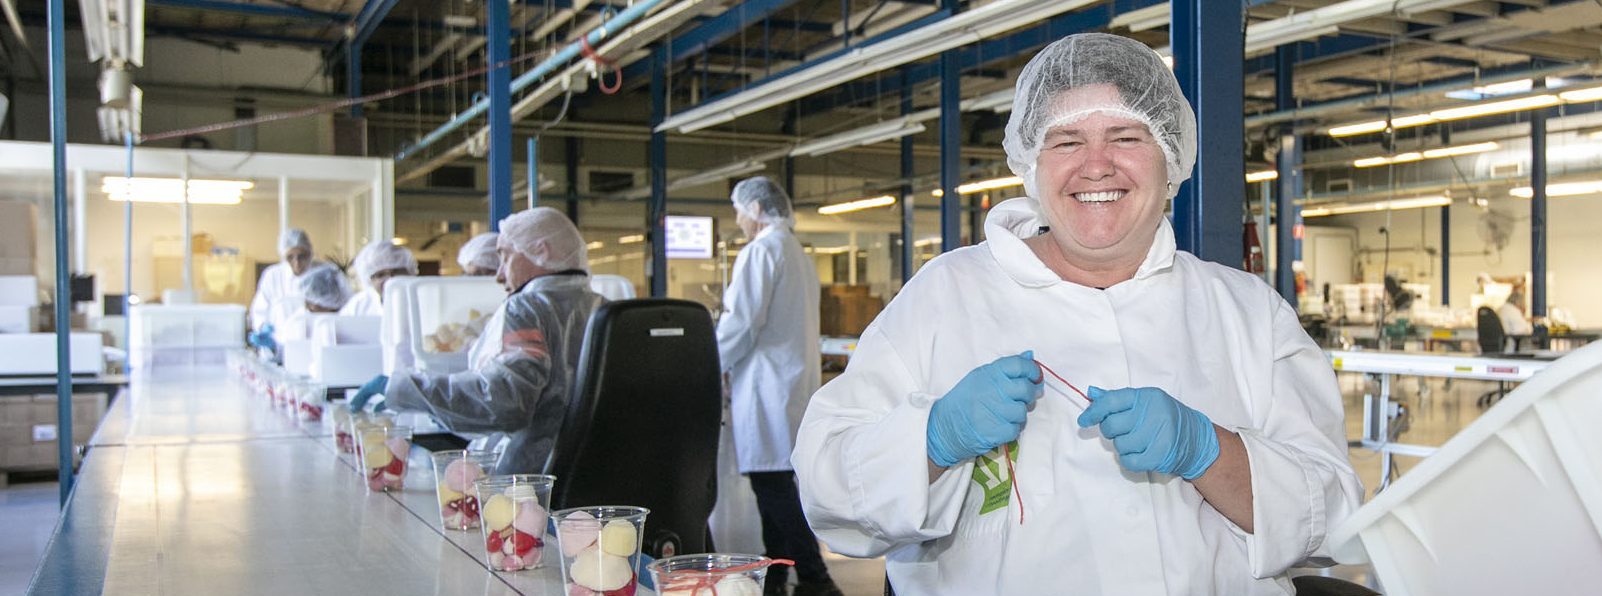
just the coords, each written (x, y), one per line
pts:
(192, 326)
(35, 353)
(344, 330)
(433, 303)
(1511, 505)
(346, 366)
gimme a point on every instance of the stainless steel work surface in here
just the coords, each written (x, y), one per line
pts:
(195, 487)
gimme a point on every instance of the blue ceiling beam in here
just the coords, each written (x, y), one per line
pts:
(264, 10)
(786, 24)
(373, 13)
(711, 33)
(981, 54)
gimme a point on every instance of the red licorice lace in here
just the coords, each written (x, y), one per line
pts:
(1006, 449)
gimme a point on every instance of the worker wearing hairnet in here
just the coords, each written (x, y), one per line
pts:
(768, 344)
(1211, 455)
(324, 289)
(278, 293)
(521, 368)
(375, 264)
(477, 257)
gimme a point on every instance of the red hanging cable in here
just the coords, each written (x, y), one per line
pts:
(589, 52)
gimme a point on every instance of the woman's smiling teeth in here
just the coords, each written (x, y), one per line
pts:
(1099, 197)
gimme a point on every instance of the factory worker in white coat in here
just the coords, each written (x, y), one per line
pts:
(277, 291)
(768, 345)
(1213, 457)
(477, 256)
(523, 366)
(375, 264)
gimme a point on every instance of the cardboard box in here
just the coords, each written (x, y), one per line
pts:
(18, 232)
(17, 266)
(19, 290)
(24, 419)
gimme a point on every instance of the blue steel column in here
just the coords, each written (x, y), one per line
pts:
(908, 202)
(533, 172)
(1208, 42)
(1288, 187)
(657, 162)
(789, 176)
(1538, 217)
(950, 144)
(499, 81)
(572, 178)
(58, 153)
(353, 76)
(1446, 255)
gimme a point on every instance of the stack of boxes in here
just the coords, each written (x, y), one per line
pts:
(28, 422)
(845, 311)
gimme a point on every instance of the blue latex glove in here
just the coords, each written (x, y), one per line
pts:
(984, 411)
(264, 338)
(1152, 431)
(367, 391)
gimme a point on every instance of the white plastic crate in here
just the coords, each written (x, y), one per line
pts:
(346, 366)
(432, 303)
(35, 353)
(19, 290)
(192, 326)
(344, 330)
(1510, 505)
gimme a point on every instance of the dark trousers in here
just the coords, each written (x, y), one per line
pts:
(784, 528)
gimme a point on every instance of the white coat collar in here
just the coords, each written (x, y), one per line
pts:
(1016, 219)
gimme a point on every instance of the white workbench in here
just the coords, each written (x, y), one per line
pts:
(192, 486)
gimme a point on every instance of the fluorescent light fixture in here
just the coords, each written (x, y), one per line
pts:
(1412, 156)
(1497, 107)
(1563, 189)
(955, 31)
(878, 133)
(831, 250)
(857, 205)
(1142, 19)
(1360, 128)
(1262, 176)
(930, 241)
(999, 101)
(991, 184)
(398, 241)
(1578, 95)
(1413, 203)
(597, 245)
(171, 190)
(631, 239)
(717, 174)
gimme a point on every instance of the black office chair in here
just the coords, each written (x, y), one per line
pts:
(1493, 342)
(642, 427)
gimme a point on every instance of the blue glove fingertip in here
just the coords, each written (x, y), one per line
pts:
(1094, 392)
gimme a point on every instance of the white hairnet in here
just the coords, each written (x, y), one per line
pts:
(480, 252)
(293, 238)
(383, 255)
(1146, 91)
(547, 238)
(763, 200)
(324, 285)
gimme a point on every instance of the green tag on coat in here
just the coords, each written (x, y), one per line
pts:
(990, 473)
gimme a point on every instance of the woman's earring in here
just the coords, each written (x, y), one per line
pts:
(1170, 186)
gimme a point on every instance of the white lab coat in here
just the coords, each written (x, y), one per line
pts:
(1216, 338)
(364, 304)
(277, 296)
(768, 343)
(1513, 321)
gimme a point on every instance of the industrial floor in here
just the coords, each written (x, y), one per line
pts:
(28, 509)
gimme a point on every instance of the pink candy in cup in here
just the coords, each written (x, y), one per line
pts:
(454, 475)
(382, 451)
(310, 399)
(513, 509)
(600, 549)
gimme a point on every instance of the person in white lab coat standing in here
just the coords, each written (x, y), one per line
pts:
(375, 264)
(1208, 452)
(768, 345)
(278, 291)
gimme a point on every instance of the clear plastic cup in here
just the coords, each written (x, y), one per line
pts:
(721, 574)
(339, 417)
(345, 432)
(382, 451)
(310, 401)
(454, 475)
(515, 508)
(600, 549)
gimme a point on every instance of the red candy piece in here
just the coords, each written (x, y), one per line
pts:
(493, 543)
(626, 590)
(470, 507)
(397, 466)
(522, 543)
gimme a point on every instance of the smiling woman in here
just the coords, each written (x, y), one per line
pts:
(1211, 456)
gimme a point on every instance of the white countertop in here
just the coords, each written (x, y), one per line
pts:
(194, 486)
